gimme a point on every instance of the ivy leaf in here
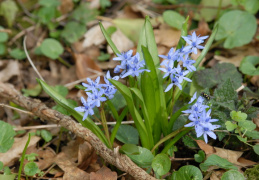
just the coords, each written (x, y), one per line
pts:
(247, 125)
(30, 169)
(200, 156)
(46, 135)
(173, 19)
(127, 134)
(248, 65)
(242, 139)
(51, 48)
(161, 164)
(232, 174)
(73, 31)
(143, 159)
(6, 136)
(129, 149)
(18, 54)
(187, 173)
(237, 28)
(3, 36)
(256, 149)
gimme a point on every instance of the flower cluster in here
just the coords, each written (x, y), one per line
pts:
(96, 93)
(199, 115)
(177, 73)
(131, 65)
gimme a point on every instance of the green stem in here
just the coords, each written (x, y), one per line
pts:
(60, 59)
(176, 138)
(23, 156)
(169, 136)
(105, 127)
(219, 8)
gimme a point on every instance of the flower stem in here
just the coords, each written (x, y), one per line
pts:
(23, 156)
(60, 59)
(104, 123)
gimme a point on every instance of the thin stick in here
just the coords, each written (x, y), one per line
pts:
(16, 109)
(240, 88)
(181, 159)
(26, 52)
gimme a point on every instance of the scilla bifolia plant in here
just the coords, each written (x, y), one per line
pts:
(149, 104)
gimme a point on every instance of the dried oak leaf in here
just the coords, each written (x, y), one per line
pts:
(103, 173)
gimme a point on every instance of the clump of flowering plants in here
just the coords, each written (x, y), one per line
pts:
(153, 89)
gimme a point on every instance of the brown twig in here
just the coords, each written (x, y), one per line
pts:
(39, 109)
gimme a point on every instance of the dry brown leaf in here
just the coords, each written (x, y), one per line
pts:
(203, 28)
(208, 149)
(66, 6)
(237, 54)
(245, 162)
(70, 169)
(255, 80)
(85, 66)
(231, 156)
(94, 36)
(10, 70)
(103, 173)
(216, 175)
(122, 42)
(45, 158)
(85, 155)
(167, 36)
(256, 120)
(15, 152)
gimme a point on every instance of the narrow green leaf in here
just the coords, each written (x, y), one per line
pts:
(184, 32)
(134, 113)
(59, 99)
(108, 39)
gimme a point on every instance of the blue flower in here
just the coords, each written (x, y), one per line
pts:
(172, 56)
(110, 89)
(134, 66)
(180, 74)
(87, 108)
(95, 97)
(188, 63)
(124, 57)
(93, 85)
(206, 129)
(194, 42)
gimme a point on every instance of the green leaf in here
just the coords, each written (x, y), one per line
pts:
(161, 164)
(124, 90)
(51, 48)
(238, 116)
(110, 30)
(88, 123)
(225, 92)
(143, 159)
(1, 165)
(83, 13)
(2, 49)
(256, 149)
(18, 54)
(46, 135)
(46, 14)
(7, 177)
(251, 6)
(127, 134)
(184, 32)
(237, 28)
(7, 171)
(49, 3)
(232, 174)
(252, 134)
(230, 126)
(73, 31)
(105, 3)
(173, 19)
(9, 9)
(247, 125)
(3, 36)
(30, 169)
(217, 75)
(249, 65)
(214, 160)
(108, 39)
(129, 149)
(31, 157)
(35, 91)
(188, 172)
(104, 56)
(200, 156)
(242, 139)
(118, 101)
(6, 136)
(62, 90)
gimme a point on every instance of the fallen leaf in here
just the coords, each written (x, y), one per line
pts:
(167, 36)
(45, 158)
(10, 70)
(245, 162)
(85, 155)
(203, 28)
(66, 6)
(103, 173)
(94, 36)
(215, 175)
(13, 154)
(70, 169)
(255, 80)
(208, 149)
(231, 156)
(85, 66)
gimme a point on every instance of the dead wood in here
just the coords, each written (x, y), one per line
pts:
(39, 109)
